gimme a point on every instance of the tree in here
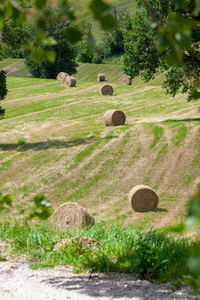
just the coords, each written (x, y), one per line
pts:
(15, 36)
(19, 13)
(165, 35)
(3, 91)
(64, 53)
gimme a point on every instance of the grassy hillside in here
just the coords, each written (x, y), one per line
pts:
(86, 72)
(14, 67)
(53, 140)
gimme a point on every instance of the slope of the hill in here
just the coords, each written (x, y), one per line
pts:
(53, 141)
(86, 72)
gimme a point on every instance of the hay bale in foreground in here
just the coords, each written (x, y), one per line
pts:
(142, 198)
(106, 90)
(71, 215)
(114, 117)
(80, 241)
(69, 81)
(61, 75)
(101, 77)
(125, 80)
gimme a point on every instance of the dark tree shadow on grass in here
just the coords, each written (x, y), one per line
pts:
(181, 120)
(25, 146)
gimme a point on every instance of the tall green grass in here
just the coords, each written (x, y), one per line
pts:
(122, 249)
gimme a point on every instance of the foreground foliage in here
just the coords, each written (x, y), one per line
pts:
(122, 249)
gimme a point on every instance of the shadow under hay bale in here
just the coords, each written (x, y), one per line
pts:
(114, 117)
(62, 75)
(80, 241)
(106, 90)
(101, 77)
(125, 80)
(71, 215)
(142, 198)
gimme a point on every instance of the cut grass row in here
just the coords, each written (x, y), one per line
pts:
(83, 187)
(65, 155)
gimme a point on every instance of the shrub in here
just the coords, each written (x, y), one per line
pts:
(3, 90)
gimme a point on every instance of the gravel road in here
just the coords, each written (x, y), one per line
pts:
(19, 282)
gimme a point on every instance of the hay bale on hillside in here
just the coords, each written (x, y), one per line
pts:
(71, 215)
(142, 198)
(125, 80)
(106, 90)
(69, 81)
(80, 241)
(114, 117)
(61, 75)
(101, 77)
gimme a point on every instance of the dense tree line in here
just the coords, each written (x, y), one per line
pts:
(152, 43)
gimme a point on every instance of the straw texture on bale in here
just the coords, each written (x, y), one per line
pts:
(142, 198)
(80, 241)
(106, 90)
(69, 81)
(101, 77)
(114, 117)
(125, 80)
(61, 75)
(71, 215)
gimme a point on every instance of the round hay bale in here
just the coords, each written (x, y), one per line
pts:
(125, 80)
(65, 80)
(61, 75)
(69, 81)
(114, 117)
(106, 90)
(101, 77)
(80, 241)
(142, 198)
(71, 215)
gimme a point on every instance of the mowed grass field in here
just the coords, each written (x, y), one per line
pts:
(53, 141)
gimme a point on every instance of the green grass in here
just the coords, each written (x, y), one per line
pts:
(157, 132)
(119, 249)
(161, 154)
(180, 135)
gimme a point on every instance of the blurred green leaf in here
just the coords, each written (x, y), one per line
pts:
(50, 41)
(50, 55)
(98, 7)
(40, 4)
(66, 10)
(191, 222)
(108, 22)
(38, 55)
(194, 93)
(73, 34)
(100, 11)
(41, 208)
(172, 58)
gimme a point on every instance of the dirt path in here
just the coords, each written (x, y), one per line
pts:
(19, 282)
